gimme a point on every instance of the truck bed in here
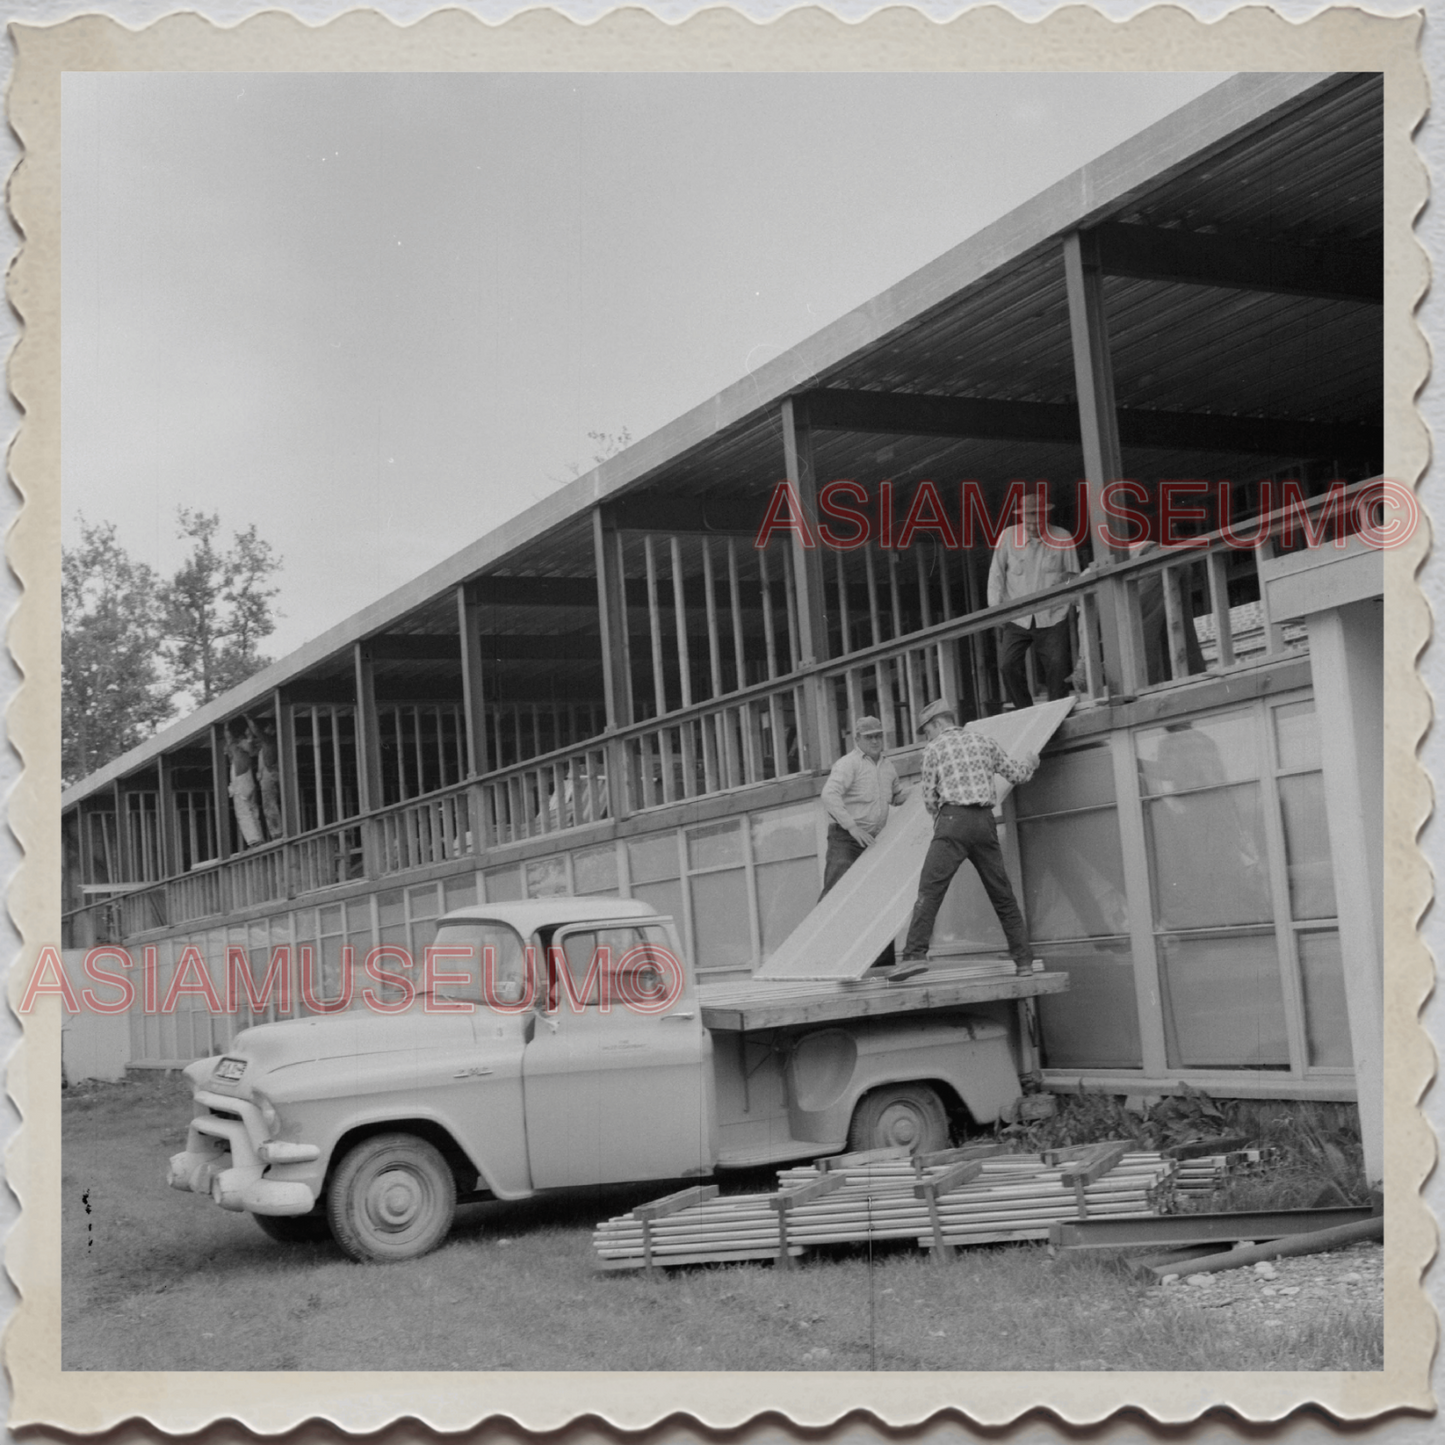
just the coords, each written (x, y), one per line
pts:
(770, 1004)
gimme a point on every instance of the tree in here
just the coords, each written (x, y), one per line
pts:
(218, 608)
(113, 694)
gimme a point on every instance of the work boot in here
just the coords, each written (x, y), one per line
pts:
(906, 968)
(1026, 966)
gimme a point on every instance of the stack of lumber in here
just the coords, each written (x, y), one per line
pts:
(939, 1201)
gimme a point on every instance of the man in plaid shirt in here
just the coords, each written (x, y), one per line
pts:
(958, 770)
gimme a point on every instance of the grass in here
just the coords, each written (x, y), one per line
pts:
(154, 1279)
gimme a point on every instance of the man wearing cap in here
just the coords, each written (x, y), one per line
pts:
(859, 791)
(1043, 558)
(958, 790)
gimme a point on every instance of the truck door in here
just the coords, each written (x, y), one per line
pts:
(612, 1091)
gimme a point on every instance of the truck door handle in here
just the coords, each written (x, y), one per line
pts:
(679, 1016)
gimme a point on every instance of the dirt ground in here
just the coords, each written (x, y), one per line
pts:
(154, 1279)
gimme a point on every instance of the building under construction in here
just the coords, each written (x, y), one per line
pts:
(619, 692)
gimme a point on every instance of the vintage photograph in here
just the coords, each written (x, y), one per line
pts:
(723, 722)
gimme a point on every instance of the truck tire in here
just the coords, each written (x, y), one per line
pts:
(392, 1198)
(294, 1228)
(900, 1114)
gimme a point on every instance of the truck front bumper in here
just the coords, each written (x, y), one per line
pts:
(228, 1159)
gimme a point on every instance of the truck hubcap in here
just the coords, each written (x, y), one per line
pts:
(900, 1126)
(395, 1199)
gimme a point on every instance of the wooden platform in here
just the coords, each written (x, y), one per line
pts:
(761, 1004)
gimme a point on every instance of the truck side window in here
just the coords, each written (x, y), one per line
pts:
(591, 951)
(478, 937)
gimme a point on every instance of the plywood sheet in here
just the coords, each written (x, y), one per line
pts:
(849, 928)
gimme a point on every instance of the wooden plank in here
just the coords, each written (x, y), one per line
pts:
(825, 1183)
(867, 1156)
(872, 1000)
(672, 1203)
(964, 1172)
(1094, 1165)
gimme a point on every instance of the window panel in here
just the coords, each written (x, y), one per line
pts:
(1223, 1004)
(784, 833)
(1208, 858)
(653, 858)
(716, 845)
(1198, 754)
(504, 885)
(594, 870)
(546, 877)
(1073, 870)
(1095, 1025)
(1327, 1019)
(390, 909)
(665, 898)
(787, 891)
(720, 920)
(1307, 846)
(1082, 778)
(459, 892)
(1297, 735)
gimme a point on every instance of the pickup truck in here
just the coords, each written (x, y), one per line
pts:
(563, 1042)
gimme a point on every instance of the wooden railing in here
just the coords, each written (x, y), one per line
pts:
(1145, 603)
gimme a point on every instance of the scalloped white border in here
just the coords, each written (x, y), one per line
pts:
(985, 38)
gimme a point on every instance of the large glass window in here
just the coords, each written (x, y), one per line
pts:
(1221, 987)
(785, 870)
(722, 933)
(1077, 909)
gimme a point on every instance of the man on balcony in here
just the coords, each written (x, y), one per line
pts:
(958, 791)
(1042, 558)
(861, 788)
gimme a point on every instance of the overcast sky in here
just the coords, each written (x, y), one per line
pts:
(378, 315)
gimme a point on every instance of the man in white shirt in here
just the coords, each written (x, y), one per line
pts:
(860, 789)
(1020, 571)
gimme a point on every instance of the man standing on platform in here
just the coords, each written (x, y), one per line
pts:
(859, 791)
(958, 790)
(1044, 558)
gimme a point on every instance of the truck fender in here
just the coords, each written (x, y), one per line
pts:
(466, 1159)
(830, 1070)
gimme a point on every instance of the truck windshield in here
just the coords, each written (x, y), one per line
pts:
(478, 936)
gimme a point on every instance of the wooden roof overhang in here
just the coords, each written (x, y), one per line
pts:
(1242, 241)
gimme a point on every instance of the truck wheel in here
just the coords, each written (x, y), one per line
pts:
(900, 1114)
(294, 1228)
(392, 1198)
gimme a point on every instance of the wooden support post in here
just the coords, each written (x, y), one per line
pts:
(170, 853)
(735, 598)
(765, 584)
(616, 660)
(220, 781)
(1099, 429)
(368, 737)
(814, 743)
(786, 1200)
(368, 757)
(474, 696)
(286, 764)
(1215, 561)
(668, 1204)
(929, 1189)
(714, 650)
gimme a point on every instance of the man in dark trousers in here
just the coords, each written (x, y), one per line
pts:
(958, 790)
(857, 796)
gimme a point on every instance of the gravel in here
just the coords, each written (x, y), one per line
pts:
(1285, 1289)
